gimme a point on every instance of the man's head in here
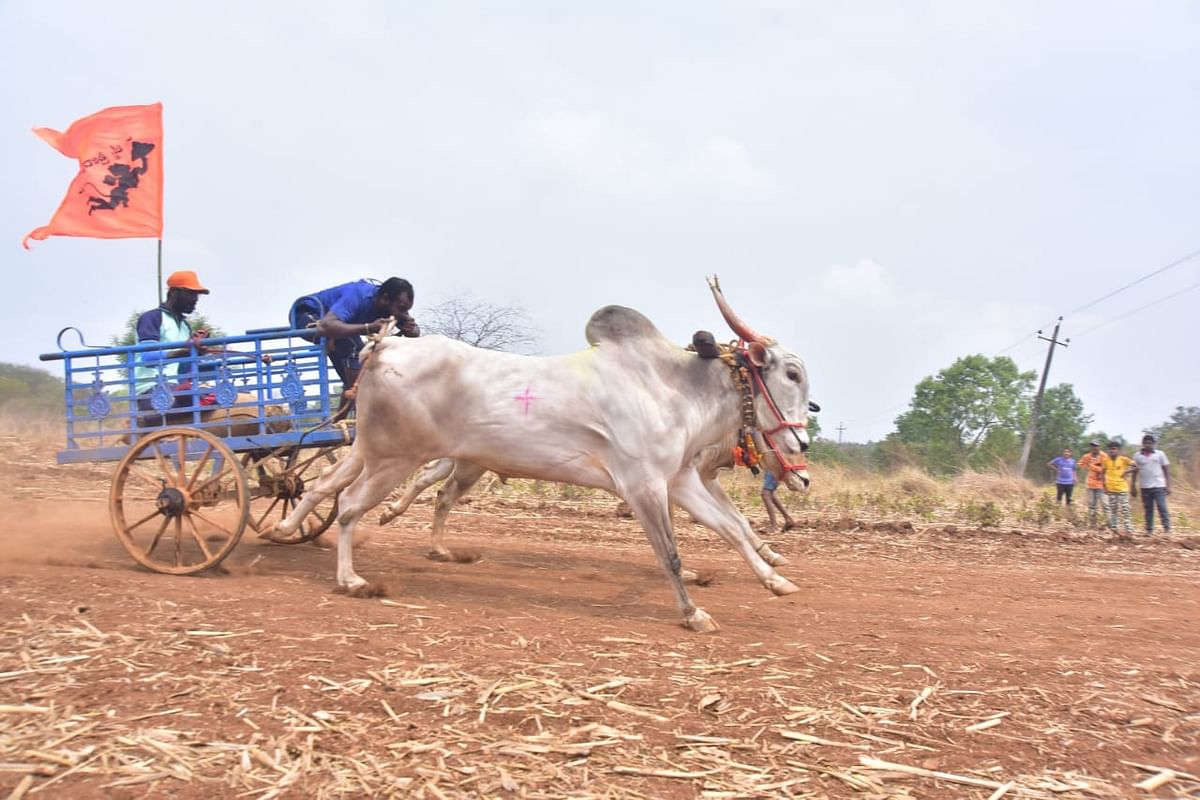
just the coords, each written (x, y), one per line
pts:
(183, 290)
(1095, 446)
(1066, 452)
(1114, 449)
(394, 298)
(1147, 442)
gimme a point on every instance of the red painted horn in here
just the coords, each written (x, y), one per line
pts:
(735, 322)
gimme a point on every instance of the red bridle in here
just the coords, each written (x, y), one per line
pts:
(784, 424)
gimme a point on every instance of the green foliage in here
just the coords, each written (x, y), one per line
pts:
(1061, 423)
(985, 515)
(814, 427)
(128, 334)
(967, 415)
(29, 389)
(1179, 438)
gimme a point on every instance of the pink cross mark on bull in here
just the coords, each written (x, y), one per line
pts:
(526, 398)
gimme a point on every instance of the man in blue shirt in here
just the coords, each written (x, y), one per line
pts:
(344, 314)
(1064, 478)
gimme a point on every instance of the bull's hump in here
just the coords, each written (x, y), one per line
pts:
(619, 324)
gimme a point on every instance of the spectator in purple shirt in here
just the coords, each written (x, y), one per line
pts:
(1064, 476)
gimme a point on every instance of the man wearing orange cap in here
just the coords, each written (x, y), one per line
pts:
(168, 323)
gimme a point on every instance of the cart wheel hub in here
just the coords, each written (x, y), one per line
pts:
(290, 487)
(171, 502)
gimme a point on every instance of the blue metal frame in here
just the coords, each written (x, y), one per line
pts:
(101, 402)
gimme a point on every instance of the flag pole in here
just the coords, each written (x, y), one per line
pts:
(160, 272)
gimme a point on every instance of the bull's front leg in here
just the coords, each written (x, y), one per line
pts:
(332, 481)
(717, 512)
(372, 485)
(649, 504)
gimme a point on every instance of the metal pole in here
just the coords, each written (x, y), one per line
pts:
(160, 297)
(1037, 400)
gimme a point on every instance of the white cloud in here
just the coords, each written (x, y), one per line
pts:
(865, 283)
(600, 154)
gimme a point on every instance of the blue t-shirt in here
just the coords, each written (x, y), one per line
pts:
(1066, 469)
(352, 303)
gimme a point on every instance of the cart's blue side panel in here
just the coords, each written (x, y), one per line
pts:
(265, 389)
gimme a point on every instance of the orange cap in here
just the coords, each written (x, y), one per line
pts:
(185, 279)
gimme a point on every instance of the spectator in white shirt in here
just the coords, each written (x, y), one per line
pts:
(1154, 481)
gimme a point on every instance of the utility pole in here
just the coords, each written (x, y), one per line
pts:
(841, 427)
(1031, 431)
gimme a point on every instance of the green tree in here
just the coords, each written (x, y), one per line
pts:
(128, 334)
(1179, 438)
(1061, 423)
(29, 389)
(968, 415)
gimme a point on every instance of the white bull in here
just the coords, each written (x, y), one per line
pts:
(633, 414)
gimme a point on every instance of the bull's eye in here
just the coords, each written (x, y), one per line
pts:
(793, 376)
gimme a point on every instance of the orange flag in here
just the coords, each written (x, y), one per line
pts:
(118, 191)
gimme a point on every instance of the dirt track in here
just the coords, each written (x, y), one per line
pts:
(555, 666)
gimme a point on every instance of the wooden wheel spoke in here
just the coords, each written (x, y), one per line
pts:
(178, 541)
(145, 477)
(199, 468)
(143, 521)
(158, 536)
(213, 522)
(262, 518)
(208, 556)
(181, 454)
(227, 467)
(161, 459)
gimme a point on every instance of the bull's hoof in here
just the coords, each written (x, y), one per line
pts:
(455, 556)
(281, 530)
(781, 586)
(386, 516)
(700, 622)
(363, 589)
(773, 558)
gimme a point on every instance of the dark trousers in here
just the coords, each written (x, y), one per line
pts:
(342, 352)
(1155, 498)
(1064, 490)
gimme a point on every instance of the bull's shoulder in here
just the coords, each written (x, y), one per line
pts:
(618, 324)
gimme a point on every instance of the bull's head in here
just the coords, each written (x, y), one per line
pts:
(781, 403)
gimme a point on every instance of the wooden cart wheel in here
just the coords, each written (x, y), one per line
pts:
(279, 488)
(179, 501)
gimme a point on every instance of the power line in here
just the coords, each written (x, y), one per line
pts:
(1147, 276)
(1139, 308)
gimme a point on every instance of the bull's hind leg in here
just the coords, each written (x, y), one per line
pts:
(337, 478)
(690, 492)
(429, 474)
(367, 491)
(649, 504)
(465, 475)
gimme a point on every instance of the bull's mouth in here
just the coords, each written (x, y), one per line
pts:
(796, 480)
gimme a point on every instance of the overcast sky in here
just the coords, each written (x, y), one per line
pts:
(882, 186)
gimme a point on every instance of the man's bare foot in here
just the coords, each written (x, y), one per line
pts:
(789, 525)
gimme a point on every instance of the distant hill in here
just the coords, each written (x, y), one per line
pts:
(29, 389)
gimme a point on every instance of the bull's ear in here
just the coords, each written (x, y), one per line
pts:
(758, 354)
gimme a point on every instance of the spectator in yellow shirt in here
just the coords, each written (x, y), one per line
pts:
(1117, 469)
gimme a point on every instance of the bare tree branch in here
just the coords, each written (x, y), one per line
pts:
(481, 324)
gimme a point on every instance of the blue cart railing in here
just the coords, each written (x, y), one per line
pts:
(208, 439)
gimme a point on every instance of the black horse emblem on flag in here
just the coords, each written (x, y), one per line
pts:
(123, 178)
